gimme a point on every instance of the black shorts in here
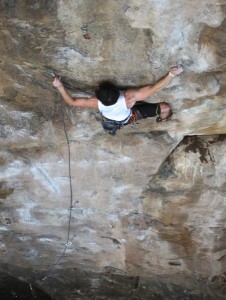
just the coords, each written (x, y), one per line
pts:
(145, 110)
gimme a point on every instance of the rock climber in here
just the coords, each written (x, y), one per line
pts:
(119, 108)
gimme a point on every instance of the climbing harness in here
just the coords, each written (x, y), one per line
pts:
(111, 126)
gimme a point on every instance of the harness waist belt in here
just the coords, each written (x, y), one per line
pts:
(123, 122)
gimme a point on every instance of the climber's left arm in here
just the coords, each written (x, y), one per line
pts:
(134, 95)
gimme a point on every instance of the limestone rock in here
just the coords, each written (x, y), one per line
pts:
(148, 206)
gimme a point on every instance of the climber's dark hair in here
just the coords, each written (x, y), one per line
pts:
(107, 93)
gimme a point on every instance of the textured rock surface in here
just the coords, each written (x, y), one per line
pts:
(148, 217)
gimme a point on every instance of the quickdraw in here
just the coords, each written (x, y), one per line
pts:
(85, 32)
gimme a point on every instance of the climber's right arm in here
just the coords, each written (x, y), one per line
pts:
(91, 102)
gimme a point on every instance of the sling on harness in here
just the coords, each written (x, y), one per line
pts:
(111, 126)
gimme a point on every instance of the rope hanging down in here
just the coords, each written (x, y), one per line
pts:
(47, 273)
(71, 198)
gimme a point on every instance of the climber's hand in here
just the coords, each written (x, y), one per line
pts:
(176, 71)
(57, 82)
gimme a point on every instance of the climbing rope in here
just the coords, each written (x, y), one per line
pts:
(52, 74)
(71, 198)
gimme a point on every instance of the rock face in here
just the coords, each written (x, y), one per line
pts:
(148, 205)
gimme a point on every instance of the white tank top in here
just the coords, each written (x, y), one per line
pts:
(117, 111)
